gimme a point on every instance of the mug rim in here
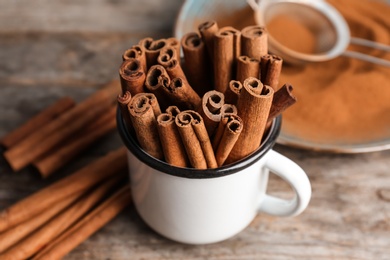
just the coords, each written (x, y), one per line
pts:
(132, 145)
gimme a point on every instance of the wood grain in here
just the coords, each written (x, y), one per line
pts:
(54, 49)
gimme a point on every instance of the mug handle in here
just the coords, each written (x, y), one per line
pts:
(296, 177)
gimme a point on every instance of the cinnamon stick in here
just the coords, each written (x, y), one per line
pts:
(81, 180)
(233, 92)
(172, 145)
(175, 70)
(283, 99)
(138, 53)
(67, 151)
(271, 67)
(168, 59)
(17, 233)
(36, 241)
(196, 63)
(56, 131)
(124, 101)
(196, 140)
(156, 80)
(221, 127)
(247, 67)
(173, 110)
(210, 111)
(254, 41)
(226, 50)
(87, 226)
(253, 107)
(152, 49)
(182, 95)
(132, 76)
(207, 30)
(175, 43)
(143, 118)
(231, 133)
(36, 122)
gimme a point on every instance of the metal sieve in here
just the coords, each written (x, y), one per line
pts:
(328, 26)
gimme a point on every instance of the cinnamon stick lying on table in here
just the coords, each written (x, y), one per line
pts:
(271, 67)
(36, 241)
(233, 91)
(144, 111)
(79, 181)
(226, 51)
(67, 151)
(195, 140)
(172, 145)
(56, 131)
(132, 77)
(247, 67)
(83, 229)
(196, 62)
(36, 122)
(207, 31)
(136, 52)
(254, 41)
(253, 107)
(210, 110)
(12, 236)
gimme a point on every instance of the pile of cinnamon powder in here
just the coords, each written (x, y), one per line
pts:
(344, 100)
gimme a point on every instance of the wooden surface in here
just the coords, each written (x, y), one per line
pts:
(49, 49)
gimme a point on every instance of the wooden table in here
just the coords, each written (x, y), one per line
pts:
(49, 49)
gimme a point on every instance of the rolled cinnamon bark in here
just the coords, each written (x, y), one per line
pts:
(182, 95)
(283, 98)
(81, 180)
(123, 102)
(231, 133)
(143, 119)
(132, 76)
(173, 110)
(247, 67)
(254, 41)
(166, 55)
(196, 62)
(152, 49)
(56, 131)
(172, 145)
(36, 241)
(190, 140)
(271, 67)
(57, 158)
(138, 53)
(207, 31)
(228, 109)
(233, 92)
(253, 107)
(175, 70)
(92, 222)
(156, 80)
(168, 59)
(175, 43)
(36, 122)
(226, 50)
(210, 110)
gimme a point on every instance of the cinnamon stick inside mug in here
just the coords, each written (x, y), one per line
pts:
(253, 107)
(210, 110)
(132, 76)
(143, 119)
(175, 43)
(283, 99)
(136, 52)
(182, 95)
(156, 80)
(207, 31)
(254, 41)
(226, 50)
(168, 59)
(123, 102)
(271, 67)
(196, 62)
(172, 145)
(247, 67)
(152, 49)
(233, 92)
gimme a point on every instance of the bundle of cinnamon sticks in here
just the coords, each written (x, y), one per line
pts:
(51, 222)
(61, 131)
(209, 109)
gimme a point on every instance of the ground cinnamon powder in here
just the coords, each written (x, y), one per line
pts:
(342, 101)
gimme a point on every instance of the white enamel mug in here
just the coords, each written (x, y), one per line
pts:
(206, 206)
